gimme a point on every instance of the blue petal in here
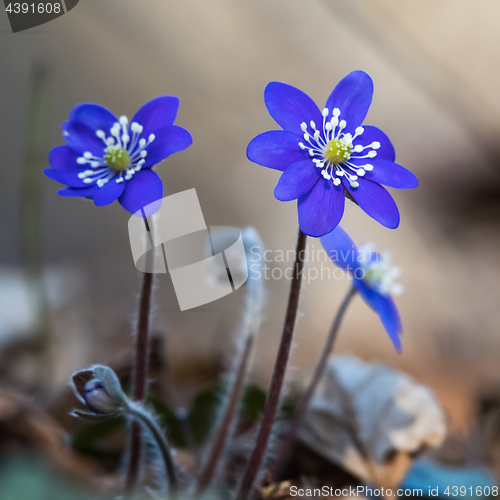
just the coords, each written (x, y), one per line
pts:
(95, 116)
(275, 149)
(144, 188)
(63, 158)
(374, 134)
(85, 192)
(157, 113)
(353, 96)
(168, 140)
(81, 138)
(375, 201)
(391, 174)
(321, 210)
(386, 309)
(70, 178)
(290, 107)
(341, 249)
(110, 192)
(296, 180)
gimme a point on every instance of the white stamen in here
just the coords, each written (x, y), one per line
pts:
(379, 273)
(325, 112)
(123, 121)
(303, 126)
(101, 134)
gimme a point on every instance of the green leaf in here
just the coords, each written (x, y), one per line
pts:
(204, 410)
(253, 402)
(86, 438)
(168, 419)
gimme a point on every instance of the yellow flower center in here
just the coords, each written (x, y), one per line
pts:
(117, 158)
(338, 151)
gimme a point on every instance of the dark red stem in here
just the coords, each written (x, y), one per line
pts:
(305, 400)
(140, 377)
(225, 426)
(255, 461)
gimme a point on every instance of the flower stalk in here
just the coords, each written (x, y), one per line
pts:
(260, 448)
(99, 389)
(252, 319)
(140, 374)
(139, 413)
(306, 397)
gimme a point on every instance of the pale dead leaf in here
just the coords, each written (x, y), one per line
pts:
(372, 420)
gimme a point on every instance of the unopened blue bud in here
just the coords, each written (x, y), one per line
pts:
(98, 399)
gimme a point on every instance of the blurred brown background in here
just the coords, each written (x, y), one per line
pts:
(436, 74)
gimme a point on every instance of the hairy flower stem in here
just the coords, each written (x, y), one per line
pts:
(161, 441)
(305, 400)
(208, 471)
(140, 376)
(250, 326)
(260, 448)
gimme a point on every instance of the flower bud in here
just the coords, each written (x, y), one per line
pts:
(97, 398)
(99, 389)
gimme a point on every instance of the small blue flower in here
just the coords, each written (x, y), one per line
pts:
(106, 158)
(325, 156)
(372, 275)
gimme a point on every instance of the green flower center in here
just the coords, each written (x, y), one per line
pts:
(117, 158)
(338, 151)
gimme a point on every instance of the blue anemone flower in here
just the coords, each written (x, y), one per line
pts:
(372, 275)
(107, 158)
(327, 155)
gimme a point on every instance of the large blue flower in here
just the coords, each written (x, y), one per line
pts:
(372, 275)
(325, 156)
(106, 158)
